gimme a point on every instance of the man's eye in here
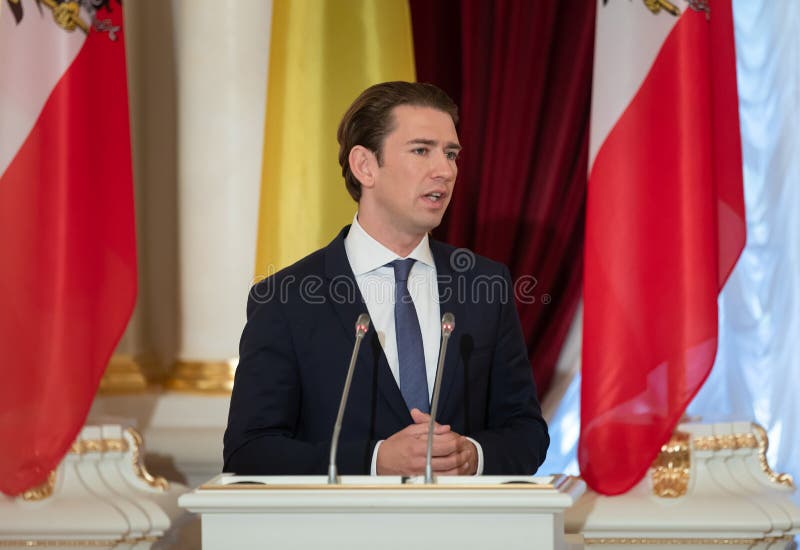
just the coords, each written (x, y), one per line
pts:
(452, 155)
(420, 151)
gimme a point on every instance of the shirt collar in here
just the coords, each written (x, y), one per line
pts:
(366, 254)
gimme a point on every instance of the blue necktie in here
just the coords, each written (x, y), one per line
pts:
(413, 377)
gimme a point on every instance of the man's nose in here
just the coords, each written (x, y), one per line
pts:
(444, 167)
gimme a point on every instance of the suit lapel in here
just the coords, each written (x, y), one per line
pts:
(342, 290)
(453, 292)
(348, 303)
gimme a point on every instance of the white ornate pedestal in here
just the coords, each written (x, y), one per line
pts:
(183, 430)
(100, 496)
(711, 487)
(368, 512)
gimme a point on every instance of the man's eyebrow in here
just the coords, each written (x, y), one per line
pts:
(432, 143)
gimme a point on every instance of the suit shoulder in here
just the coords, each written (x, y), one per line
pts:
(312, 264)
(465, 260)
(285, 283)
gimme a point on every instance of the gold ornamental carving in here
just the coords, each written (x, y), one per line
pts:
(730, 442)
(207, 377)
(83, 446)
(137, 448)
(670, 470)
(746, 441)
(41, 492)
(124, 374)
(116, 445)
(763, 445)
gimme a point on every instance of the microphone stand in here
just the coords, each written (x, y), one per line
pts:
(362, 326)
(448, 325)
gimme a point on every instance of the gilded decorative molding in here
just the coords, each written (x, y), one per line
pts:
(116, 445)
(705, 443)
(41, 492)
(729, 442)
(763, 445)
(124, 374)
(670, 470)
(746, 441)
(209, 377)
(156, 482)
(83, 446)
(93, 445)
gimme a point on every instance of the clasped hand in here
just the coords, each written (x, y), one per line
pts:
(404, 452)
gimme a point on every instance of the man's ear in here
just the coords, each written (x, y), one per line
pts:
(363, 165)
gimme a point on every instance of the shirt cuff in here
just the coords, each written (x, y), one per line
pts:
(478, 448)
(373, 469)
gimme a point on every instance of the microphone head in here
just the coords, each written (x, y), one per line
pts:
(448, 324)
(362, 324)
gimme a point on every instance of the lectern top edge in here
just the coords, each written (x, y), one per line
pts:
(227, 482)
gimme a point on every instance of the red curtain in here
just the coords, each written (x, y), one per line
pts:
(521, 73)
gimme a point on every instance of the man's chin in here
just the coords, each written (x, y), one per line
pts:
(431, 221)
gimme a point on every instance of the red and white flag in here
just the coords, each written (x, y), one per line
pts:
(67, 245)
(664, 226)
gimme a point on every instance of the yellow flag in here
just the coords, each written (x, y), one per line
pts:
(323, 53)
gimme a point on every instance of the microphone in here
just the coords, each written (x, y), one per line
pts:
(362, 326)
(448, 325)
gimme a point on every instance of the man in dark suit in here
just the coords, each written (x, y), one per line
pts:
(398, 151)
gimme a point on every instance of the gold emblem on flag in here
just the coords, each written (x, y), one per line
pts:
(655, 6)
(67, 14)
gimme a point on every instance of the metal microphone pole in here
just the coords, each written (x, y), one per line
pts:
(448, 325)
(362, 326)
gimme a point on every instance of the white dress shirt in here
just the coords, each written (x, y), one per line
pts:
(368, 258)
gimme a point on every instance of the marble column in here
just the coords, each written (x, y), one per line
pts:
(198, 73)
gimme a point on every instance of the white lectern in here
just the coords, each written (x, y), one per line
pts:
(383, 512)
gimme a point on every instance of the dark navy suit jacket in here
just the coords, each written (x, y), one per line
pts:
(295, 350)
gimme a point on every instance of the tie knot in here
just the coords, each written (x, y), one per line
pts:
(402, 268)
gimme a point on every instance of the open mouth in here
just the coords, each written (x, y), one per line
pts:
(435, 197)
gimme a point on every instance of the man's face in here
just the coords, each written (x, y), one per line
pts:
(414, 182)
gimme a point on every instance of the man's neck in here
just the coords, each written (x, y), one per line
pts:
(398, 242)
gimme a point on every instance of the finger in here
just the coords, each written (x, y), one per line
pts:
(419, 417)
(416, 430)
(419, 432)
(465, 469)
(441, 429)
(446, 444)
(450, 466)
(446, 463)
(422, 427)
